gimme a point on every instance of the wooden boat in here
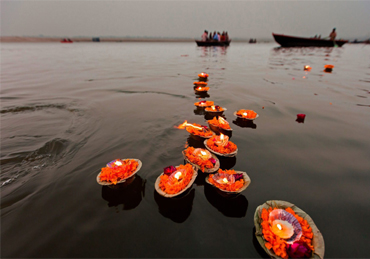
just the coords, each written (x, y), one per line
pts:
(201, 43)
(291, 41)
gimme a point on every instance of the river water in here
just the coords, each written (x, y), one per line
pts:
(68, 109)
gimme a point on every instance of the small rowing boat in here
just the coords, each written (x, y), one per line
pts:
(292, 41)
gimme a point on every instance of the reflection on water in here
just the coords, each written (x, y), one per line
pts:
(178, 208)
(196, 143)
(66, 110)
(257, 245)
(230, 205)
(129, 193)
(227, 163)
(245, 123)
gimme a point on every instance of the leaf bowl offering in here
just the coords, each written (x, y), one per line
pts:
(200, 83)
(201, 159)
(310, 244)
(203, 104)
(201, 89)
(118, 171)
(220, 125)
(229, 150)
(229, 181)
(175, 180)
(246, 114)
(199, 132)
(215, 110)
(203, 76)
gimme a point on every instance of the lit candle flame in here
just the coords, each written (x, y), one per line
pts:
(118, 163)
(222, 120)
(213, 107)
(186, 124)
(279, 226)
(245, 114)
(222, 137)
(177, 175)
(203, 152)
(225, 180)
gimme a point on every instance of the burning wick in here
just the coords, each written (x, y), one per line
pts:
(118, 163)
(213, 107)
(177, 175)
(279, 226)
(186, 124)
(225, 180)
(203, 154)
(245, 114)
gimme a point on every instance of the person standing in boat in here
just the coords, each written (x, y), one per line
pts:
(210, 36)
(226, 36)
(205, 35)
(333, 34)
(215, 36)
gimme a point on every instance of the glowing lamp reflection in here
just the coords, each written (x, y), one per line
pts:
(177, 175)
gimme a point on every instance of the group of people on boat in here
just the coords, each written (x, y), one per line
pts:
(216, 36)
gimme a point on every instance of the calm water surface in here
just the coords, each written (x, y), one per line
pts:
(67, 110)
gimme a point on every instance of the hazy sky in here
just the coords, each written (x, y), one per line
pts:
(242, 19)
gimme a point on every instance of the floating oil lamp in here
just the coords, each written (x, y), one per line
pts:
(201, 89)
(215, 109)
(285, 225)
(246, 114)
(307, 68)
(201, 159)
(203, 75)
(224, 178)
(202, 153)
(118, 171)
(196, 130)
(204, 103)
(328, 68)
(175, 180)
(222, 140)
(222, 122)
(200, 83)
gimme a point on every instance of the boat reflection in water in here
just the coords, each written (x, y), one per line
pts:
(129, 193)
(178, 208)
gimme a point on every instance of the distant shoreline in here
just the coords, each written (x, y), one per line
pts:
(102, 39)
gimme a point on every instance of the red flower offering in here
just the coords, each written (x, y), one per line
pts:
(177, 182)
(202, 158)
(300, 118)
(221, 145)
(200, 83)
(220, 123)
(118, 170)
(204, 103)
(246, 114)
(228, 180)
